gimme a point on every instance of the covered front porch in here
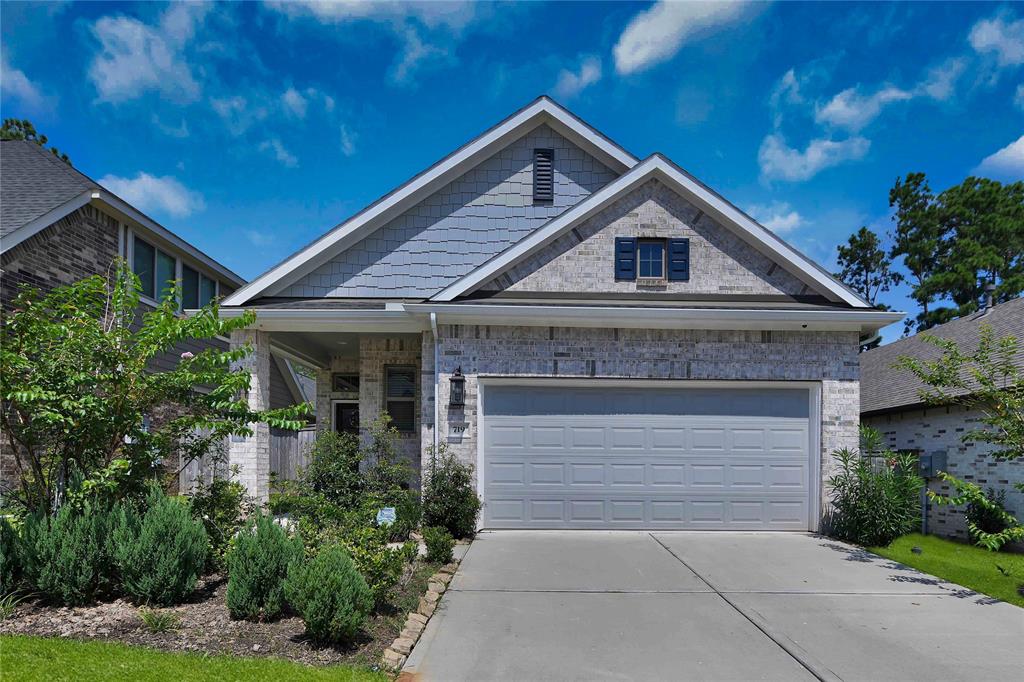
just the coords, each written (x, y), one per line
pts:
(364, 368)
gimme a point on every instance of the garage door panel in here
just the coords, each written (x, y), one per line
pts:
(603, 462)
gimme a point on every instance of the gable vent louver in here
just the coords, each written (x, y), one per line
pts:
(543, 174)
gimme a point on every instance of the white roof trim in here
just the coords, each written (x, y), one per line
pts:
(42, 222)
(707, 200)
(543, 110)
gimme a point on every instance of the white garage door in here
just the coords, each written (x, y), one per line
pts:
(623, 457)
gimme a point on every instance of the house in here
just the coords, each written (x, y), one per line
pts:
(58, 226)
(609, 342)
(891, 402)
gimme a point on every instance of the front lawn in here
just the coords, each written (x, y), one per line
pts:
(967, 565)
(30, 659)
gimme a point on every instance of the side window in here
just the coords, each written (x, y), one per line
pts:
(651, 257)
(189, 288)
(400, 397)
(144, 266)
(207, 290)
(165, 275)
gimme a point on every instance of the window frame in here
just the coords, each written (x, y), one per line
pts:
(179, 264)
(662, 244)
(389, 399)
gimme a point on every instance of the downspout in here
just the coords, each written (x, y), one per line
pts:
(433, 329)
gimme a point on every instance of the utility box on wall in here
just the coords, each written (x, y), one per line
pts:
(931, 464)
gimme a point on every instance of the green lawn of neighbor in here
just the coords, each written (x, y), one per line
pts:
(44, 660)
(966, 565)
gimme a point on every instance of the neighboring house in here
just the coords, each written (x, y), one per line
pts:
(58, 226)
(607, 340)
(891, 402)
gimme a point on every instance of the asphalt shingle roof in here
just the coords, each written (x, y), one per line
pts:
(883, 388)
(33, 182)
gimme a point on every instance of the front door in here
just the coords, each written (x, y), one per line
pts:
(346, 418)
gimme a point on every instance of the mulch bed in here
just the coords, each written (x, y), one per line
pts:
(205, 626)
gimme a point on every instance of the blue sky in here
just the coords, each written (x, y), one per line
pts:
(250, 129)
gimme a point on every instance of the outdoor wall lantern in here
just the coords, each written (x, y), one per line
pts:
(458, 393)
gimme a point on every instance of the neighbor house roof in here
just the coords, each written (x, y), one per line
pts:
(885, 389)
(37, 189)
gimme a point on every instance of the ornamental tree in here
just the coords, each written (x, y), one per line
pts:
(78, 390)
(988, 380)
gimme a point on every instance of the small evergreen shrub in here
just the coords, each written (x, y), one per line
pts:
(159, 554)
(440, 544)
(66, 557)
(380, 566)
(449, 499)
(330, 595)
(873, 503)
(257, 567)
(989, 518)
(10, 558)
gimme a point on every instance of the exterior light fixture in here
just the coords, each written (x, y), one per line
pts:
(457, 397)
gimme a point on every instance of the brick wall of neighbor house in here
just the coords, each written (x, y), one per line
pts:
(828, 357)
(942, 429)
(583, 259)
(81, 244)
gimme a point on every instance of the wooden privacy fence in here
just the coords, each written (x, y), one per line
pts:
(287, 455)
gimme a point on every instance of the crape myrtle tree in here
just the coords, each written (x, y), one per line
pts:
(78, 389)
(989, 380)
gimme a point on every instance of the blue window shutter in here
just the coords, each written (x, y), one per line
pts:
(625, 258)
(679, 260)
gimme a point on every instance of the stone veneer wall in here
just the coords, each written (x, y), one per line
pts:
(942, 429)
(828, 357)
(583, 259)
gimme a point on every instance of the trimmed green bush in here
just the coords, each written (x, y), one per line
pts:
(10, 558)
(440, 544)
(449, 499)
(330, 595)
(257, 567)
(160, 553)
(380, 566)
(66, 556)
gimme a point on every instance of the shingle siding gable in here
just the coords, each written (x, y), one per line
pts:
(459, 227)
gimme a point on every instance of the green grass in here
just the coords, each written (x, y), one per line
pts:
(40, 659)
(967, 565)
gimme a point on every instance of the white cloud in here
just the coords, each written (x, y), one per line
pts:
(157, 194)
(1018, 99)
(348, 141)
(852, 110)
(238, 113)
(136, 58)
(415, 54)
(656, 34)
(572, 83)
(780, 161)
(16, 84)
(295, 102)
(778, 216)
(259, 238)
(1002, 38)
(1007, 163)
(277, 149)
(179, 131)
(940, 83)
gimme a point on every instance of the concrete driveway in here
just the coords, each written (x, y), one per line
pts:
(584, 605)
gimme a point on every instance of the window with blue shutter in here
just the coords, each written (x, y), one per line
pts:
(678, 260)
(625, 258)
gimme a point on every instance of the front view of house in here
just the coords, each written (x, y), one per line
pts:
(608, 341)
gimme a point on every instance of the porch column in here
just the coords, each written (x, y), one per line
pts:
(251, 454)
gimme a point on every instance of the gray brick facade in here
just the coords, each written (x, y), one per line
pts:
(942, 429)
(583, 259)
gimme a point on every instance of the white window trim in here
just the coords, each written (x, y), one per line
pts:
(179, 263)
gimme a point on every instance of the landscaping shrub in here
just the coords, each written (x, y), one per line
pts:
(257, 567)
(873, 504)
(989, 518)
(221, 507)
(333, 469)
(66, 557)
(330, 595)
(440, 544)
(380, 566)
(408, 512)
(449, 499)
(10, 558)
(160, 553)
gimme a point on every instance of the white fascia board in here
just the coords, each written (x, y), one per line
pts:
(418, 188)
(659, 318)
(39, 224)
(397, 321)
(709, 202)
(162, 233)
